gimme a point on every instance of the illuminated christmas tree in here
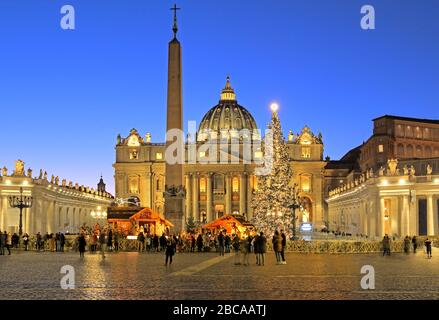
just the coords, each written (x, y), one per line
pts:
(273, 197)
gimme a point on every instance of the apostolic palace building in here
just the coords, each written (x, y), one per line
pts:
(387, 185)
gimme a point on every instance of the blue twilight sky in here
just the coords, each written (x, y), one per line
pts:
(65, 95)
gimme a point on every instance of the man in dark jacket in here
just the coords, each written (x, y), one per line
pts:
(221, 243)
(62, 241)
(163, 242)
(2, 244)
(261, 243)
(200, 243)
(284, 245)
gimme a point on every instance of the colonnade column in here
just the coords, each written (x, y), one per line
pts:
(209, 197)
(382, 225)
(405, 217)
(228, 194)
(149, 187)
(195, 198)
(3, 213)
(188, 181)
(430, 216)
(243, 194)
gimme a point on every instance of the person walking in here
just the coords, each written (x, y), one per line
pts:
(26, 242)
(256, 249)
(81, 245)
(116, 241)
(8, 242)
(2, 244)
(57, 242)
(414, 244)
(110, 240)
(262, 248)
(386, 245)
(427, 244)
(193, 242)
(406, 244)
(277, 246)
(52, 243)
(62, 241)
(221, 244)
(200, 243)
(169, 250)
(38, 241)
(236, 245)
(102, 242)
(246, 249)
(227, 241)
(284, 245)
(140, 241)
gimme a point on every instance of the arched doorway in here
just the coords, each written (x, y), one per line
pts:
(306, 212)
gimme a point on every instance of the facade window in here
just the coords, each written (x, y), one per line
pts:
(202, 154)
(419, 152)
(235, 184)
(203, 185)
(258, 155)
(400, 150)
(306, 152)
(133, 185)
(428, 152)
(134, 155)
(380, 148)
(159, 156)
(305, 183)
(409, 150)
(219, 183)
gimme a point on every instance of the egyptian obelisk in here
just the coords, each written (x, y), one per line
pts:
(174, 193)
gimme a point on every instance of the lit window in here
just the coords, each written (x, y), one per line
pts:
(159, 156)
(381, 148)
(235, 184)
(134, 155)
(258, 154)
(202, 154)
(306, 152)
(305, 183)
(202, 185)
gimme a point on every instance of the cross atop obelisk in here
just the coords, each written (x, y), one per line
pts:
(175, 27)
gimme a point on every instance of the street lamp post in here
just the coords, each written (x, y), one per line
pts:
(21, 203)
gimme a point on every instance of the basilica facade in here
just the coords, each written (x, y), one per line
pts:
(215, 187)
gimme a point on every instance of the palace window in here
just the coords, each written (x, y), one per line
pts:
(159, 156)
(258, 155)
(134, 155)
(381, 148)
(133, 185)
(203, 185)
(306, 152)
(235, 184)
(305, 182)
(202, 154)
(219, 183)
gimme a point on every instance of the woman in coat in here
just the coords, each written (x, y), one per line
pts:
(262, 248)
(169, 250)
(9, 242)
(277, 247)
(81, 245)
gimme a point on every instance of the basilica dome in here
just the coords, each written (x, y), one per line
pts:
(227, 115)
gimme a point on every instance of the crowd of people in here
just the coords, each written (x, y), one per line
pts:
(409, 244)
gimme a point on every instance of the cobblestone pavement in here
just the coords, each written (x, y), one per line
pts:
(32, 275)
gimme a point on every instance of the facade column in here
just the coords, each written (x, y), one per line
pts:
(228, 194)
(405, 217)
(196, 198)
(243, 194)
(209, 197)
(430, 216)
(3, 212)
(145, 189)
(249, 197)
(381, 224)
(188, 181)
